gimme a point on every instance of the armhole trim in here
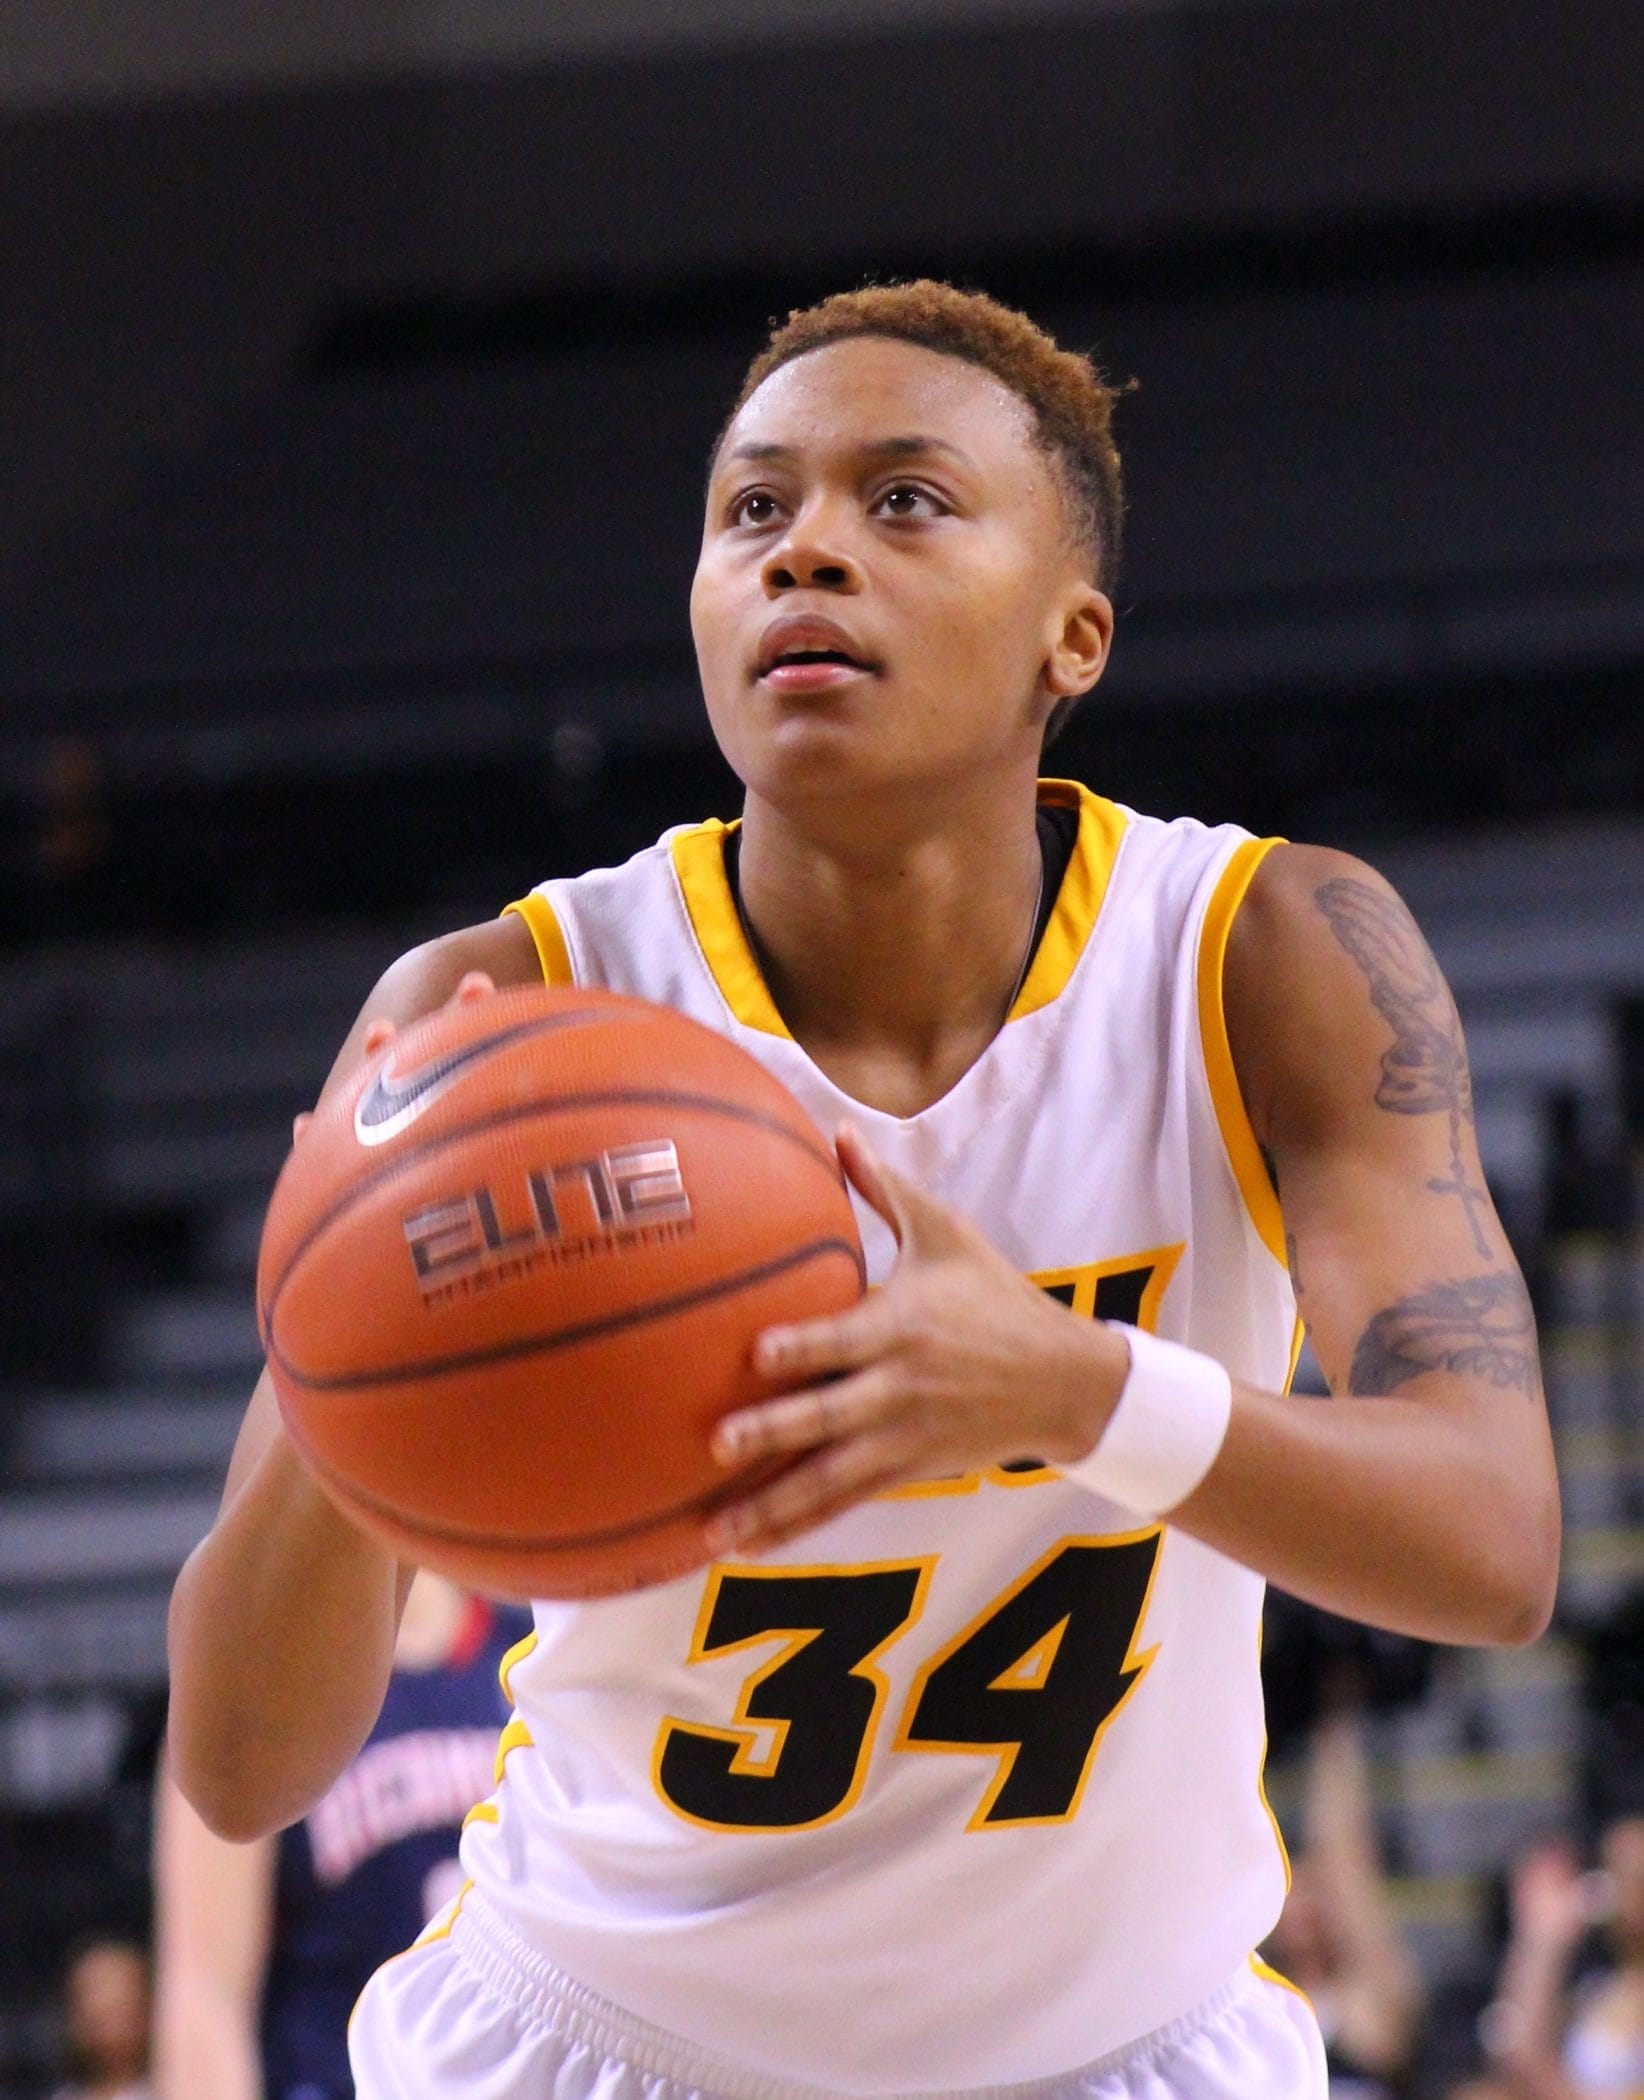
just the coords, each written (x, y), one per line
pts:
(1243, 1152)
(552, 952)
(1298, 1335)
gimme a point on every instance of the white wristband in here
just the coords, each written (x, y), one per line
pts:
(1163, 1436)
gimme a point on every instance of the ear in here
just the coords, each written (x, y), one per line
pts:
(1079, 643)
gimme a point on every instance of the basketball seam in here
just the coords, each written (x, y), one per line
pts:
(702, 1504)
(551, 1104)
(440, 1074)
(566, 1337)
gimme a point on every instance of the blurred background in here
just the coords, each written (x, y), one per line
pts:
(357, 370)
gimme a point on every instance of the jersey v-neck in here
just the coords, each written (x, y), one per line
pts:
(1079, 835)
(1057, 827)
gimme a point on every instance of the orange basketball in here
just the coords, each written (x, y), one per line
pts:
(512, 1272)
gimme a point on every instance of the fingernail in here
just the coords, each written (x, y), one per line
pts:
(727, 1443)
(773, 1349)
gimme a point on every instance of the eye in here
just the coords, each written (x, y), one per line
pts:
(907, 499)
(753, 507)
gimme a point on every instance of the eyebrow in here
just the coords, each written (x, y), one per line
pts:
(887, 448)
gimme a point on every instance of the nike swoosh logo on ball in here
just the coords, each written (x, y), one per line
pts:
(393, 1100)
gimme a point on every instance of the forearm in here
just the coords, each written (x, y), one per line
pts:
(1340, 1835)
(281, 1642)
(1401, 1512)
(204, 2044)
(1526, 2021)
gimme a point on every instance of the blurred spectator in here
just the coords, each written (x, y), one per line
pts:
(263, 1947)
(1557, 2035)
(1337, 1939)
(106, 2006)
(72, 835)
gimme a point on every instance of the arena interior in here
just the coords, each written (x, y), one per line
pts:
(357, 372)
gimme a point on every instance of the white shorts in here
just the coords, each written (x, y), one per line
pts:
(469, 2013)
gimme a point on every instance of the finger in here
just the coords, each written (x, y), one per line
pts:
(869, 1174)
(836, 1479)
(914, 1217)
(299, 1123)
(798, 1421)
(844, 1341)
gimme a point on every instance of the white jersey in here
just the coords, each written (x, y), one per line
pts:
(964, 1787)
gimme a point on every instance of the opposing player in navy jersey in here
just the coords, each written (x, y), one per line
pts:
(944, 1776)
(264, 1947)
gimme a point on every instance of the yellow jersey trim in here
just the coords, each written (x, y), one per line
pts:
(516, 1654)
(438, 1928)
(1261, 1786)
(1243, 1152)
(1079, 901)
(515, 1736)
(552, 952)
(1298, 1335)
(1269, 1974)
(699, 864)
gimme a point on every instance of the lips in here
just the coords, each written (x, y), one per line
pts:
(807, 650)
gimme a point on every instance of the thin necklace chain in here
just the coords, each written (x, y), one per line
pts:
(1032, 941)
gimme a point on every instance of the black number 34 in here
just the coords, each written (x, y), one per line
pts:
(1032, 1682)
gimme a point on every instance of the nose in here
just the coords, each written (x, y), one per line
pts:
(811, 555)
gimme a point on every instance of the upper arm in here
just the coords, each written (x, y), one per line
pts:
(1353, 1067)
(425, 977)
(420, 981)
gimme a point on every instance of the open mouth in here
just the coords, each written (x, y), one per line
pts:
(791, 657)
(807, 653)
(812, 670)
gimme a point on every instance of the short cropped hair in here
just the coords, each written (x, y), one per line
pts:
(1072, 403)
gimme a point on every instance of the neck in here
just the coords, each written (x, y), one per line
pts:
(894, 950)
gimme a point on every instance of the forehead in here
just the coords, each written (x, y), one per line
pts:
(849, 395)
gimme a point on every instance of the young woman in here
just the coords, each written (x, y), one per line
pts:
(262, 1948)
(945, 1776)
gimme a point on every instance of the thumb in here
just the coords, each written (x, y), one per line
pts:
(915, 1218)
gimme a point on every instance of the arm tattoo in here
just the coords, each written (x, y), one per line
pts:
(1480, 1326)
(1425, 1071)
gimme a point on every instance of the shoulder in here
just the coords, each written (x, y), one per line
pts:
(1321, 956)
(1312, 910)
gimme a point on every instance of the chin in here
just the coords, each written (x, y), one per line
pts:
(808, 761)
(811, 751)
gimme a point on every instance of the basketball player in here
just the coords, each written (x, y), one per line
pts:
(946, 1776)
(261, 1949)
